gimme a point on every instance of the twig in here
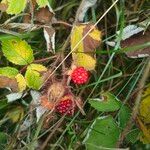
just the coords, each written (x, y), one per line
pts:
(52, 133)
(137, 103)
(63, 23)
(44, 59)
(38, 61)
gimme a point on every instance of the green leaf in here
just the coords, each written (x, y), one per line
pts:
(15, 113)
(17, 51)
(124, 116)
(8, 72)
(3, 140)
(103, 133)
(21, 82)
(33, 75)
(15, 6)
(107, 103)
(3, 104)
(42, 3)
(133, 135)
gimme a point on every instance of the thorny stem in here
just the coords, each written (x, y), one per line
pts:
(137, 103)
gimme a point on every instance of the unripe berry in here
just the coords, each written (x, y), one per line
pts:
(65, 106)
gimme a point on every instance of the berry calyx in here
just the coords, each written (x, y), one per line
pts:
(65, 106)
(46, 103)
(80, 75)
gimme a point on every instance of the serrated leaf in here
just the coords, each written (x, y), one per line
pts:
(17, 51)
(84, 60)
(15, 114)
(42, 3)
(90, 42)
(14, 6)
(33, 76)
(21, 82)
(124, 116)
(107, 103)
(37, 67)
(10, 77)
(103, 134)
(83, 50)
(11, 83)
(9, 72)
(133, 135)
(145, 106)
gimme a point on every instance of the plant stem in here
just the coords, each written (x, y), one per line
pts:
(137, 103)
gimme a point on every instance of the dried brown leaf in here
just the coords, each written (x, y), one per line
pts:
(43, 15)
(3, 7)
(9, 82)
(137, 39)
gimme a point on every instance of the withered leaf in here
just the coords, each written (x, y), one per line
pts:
(3, 7)
(9, 82)
(137, 39)
(85, 38)
(90, 42)
(43, 15)
(49, 34)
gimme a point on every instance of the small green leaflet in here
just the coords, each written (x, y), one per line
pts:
(124, 116)
(8, 72)
(15, 113)
(133, 135)
(33, 75)
(3, 139)
(17, 51)
(107, 103)
(103, 134)
(15, 6)
(42, 3)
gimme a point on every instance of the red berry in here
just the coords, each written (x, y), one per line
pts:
(80, 75)
(65, 106)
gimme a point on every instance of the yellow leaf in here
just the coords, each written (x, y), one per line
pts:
(21, 82)
(17, 51)
(33, 76)
(145, 106)
(14, 7)
(84, 60)
(83, 49)
(145, 134)
(90, 42)
(15, 114)
(37, 67)
(76, 36)
(144, 139)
